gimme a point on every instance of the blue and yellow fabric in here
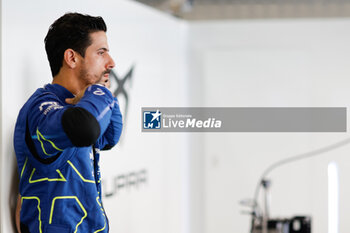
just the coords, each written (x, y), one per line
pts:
(58, 165)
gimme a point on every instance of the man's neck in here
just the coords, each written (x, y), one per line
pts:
(71, 83)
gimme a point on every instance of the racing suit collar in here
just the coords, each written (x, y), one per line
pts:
(61, 92)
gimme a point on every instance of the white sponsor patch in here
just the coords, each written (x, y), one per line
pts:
(48, 106)
(98, 91)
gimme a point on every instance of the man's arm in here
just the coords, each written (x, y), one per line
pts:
(54, 126)
(111, 136)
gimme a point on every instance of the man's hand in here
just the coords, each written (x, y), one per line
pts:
(18, 213)
(103, 82)
(77, 98)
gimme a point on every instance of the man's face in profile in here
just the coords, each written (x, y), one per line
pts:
(97, 63)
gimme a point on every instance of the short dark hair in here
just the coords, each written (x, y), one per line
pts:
(70, 31)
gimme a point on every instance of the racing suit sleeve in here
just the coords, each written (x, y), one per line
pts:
(112, 134)
(55, 126)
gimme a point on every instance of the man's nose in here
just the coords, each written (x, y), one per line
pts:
(110, 63)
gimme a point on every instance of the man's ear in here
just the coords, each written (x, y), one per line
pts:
(71, 58)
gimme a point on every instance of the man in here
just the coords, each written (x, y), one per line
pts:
(61, 129)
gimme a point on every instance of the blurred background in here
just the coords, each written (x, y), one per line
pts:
(200, 53)
(250, 9)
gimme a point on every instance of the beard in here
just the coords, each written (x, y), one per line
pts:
(89, 78)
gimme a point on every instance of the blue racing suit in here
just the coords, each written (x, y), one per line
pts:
(57, 148)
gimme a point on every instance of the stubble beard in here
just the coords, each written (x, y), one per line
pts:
(89, 79)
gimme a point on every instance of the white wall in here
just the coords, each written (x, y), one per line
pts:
(195, 181)
(138, 35)
(267, 63)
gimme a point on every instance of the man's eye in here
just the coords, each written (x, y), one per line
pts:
(101, 53)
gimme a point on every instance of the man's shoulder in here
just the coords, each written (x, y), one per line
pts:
(41, 94)
(39, 99)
